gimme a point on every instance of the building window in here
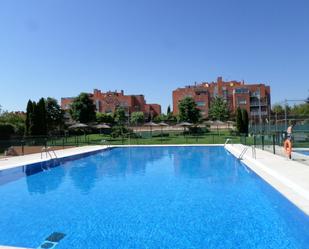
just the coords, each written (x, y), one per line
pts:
(200, 103)
(256, 93)
(123, 104)
(241, 90)
(242, 101)
(97, 105)
(188, 96)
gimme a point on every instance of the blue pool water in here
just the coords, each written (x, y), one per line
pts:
(304, 152)
(150, 197)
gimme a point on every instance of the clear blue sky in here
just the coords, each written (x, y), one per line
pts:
(60, 48)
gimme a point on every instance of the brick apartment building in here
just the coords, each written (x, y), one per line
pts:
(108, 102)
(255, 98)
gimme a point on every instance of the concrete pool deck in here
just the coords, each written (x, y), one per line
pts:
(16, 161)
(289, 177)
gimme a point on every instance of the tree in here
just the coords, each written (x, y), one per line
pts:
(168, 110)
(239, 121)
(300, 110)
(38, 118)
(29, 112)
(106, 118)
(120, 116)
(54, 115)
(218, 109)
(83, 109)
(137, 118)
(242, 121)
(245, 121)
(35, 121)
(278, 109)
(188, 111)
(41, 110)
(6, 130)
(161, 118)
(16, 119)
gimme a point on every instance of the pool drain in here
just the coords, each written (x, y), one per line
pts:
(51, 241)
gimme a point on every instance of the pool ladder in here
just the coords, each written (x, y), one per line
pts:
(48, 151)
(243, 152)
(227, 141)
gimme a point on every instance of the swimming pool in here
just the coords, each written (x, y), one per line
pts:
(150, 197)
(304, 152)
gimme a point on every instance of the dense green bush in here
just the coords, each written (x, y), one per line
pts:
(198, 130)
(161, 135)
(6, 131)
(121, 131)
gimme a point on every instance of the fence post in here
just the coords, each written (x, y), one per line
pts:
(274, 144)
(62, 143)
(22, 147)
(262, 136)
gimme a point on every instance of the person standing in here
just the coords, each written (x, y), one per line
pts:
(289, 131)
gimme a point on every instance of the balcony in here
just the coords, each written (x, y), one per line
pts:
(257, 103)
(254, 113)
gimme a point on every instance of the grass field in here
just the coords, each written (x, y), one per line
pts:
(173, 138)
(146, 137)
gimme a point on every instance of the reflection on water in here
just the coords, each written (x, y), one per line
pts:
(191, 162)
(45, 181)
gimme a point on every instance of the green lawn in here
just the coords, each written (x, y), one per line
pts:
(141, 138)
(155, 138)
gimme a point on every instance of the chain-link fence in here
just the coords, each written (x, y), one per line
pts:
(27, 145)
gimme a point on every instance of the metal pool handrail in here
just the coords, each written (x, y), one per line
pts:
(47, 151)
(243, 152)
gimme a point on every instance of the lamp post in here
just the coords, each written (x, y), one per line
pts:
(260, 112)
(286, 105)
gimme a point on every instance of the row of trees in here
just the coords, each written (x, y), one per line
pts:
(218, 110)
(297, 110)
(189, 112)
(46, 116)
(43, 117)
(11, 123)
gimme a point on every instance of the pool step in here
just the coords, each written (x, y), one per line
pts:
(52, 241)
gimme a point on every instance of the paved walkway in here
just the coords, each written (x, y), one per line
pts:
(290, 177)
(11, 162)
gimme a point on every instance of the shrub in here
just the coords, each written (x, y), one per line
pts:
(6, 131)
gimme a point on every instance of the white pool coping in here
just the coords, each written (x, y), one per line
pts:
(12, 247)
(17, 161)
(290, 178)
